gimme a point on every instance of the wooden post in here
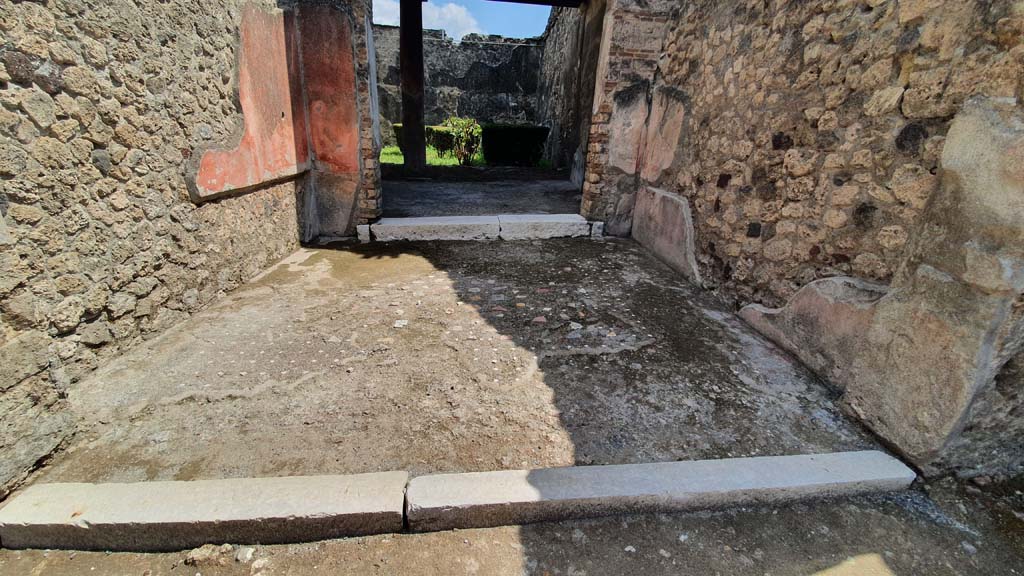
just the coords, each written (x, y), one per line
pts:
(410, 52)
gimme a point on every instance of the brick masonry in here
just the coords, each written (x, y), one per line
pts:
(631, 45)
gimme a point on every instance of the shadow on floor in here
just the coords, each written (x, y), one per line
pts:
(407, 198)
(472, 173)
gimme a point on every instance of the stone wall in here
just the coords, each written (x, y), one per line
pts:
(811, 131)
(486, 77)
(102, 105)
(572, 44)
(804, 141)
(933, 361)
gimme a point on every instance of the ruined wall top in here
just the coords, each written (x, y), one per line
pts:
(487, 77)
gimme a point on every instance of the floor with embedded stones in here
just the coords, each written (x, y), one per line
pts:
(475, 356)
(444, 357)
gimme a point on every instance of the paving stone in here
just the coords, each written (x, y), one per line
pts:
(482, 499)
(153, 516)
(436, 228)
(540, 226)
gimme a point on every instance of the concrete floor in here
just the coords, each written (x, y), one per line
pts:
(412, 198)
(448, 357)
(480, 356)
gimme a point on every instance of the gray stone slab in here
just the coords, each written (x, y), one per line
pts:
(540, 226)
(663, 224)
(363, 232)
(157, 516)
(483, 499)
(436, 228)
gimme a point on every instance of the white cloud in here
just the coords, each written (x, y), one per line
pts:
(386, 12)
(455, 19)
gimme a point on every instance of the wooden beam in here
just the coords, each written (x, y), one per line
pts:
(410, 50)
(560, 3)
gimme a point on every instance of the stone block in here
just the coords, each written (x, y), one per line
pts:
(665, 126)
(22, 357)
(662, 223)
(539, 226)
(914, 360)
(35, 422)
(155, 516)
(822, 324)
(627, 124)
(508, 497)
(437, 228)
(336, 203)
(363, 232)
(5, 236)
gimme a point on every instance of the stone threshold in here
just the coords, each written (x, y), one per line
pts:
(500, 226)
(165, 516)
(508, 497)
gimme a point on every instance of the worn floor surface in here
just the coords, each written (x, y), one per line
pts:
(448, 357)
(409, 198)
(479, 356)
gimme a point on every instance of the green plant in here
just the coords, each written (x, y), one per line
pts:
(466, 137)
(391, 155)
(442, 138)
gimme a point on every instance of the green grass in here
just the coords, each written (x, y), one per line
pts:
(392, 155)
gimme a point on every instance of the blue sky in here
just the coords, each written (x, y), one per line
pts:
(460, 17)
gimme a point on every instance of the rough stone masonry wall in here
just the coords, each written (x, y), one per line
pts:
(797, 142)
(760, 145)
(486, 77)
(101, 105)
(932, 362)
(572, 44)
(812, 131)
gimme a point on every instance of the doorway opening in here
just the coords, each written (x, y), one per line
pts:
(525, 103)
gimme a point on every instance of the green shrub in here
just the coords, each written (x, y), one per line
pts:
(442, 138)
(466, 136)
(508, 144)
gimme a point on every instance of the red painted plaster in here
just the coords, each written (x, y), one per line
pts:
(273, 143)
(329, 69)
